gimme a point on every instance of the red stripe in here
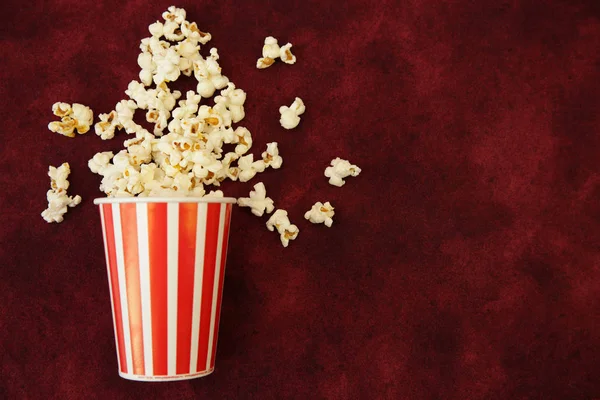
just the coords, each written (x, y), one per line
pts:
(157, 228)
(222, 277)
(210, 256)
(114, 282)
(132, 280)
(188, 216)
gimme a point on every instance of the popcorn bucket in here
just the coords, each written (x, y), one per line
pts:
(166, 261)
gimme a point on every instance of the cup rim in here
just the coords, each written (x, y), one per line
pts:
(118, 200)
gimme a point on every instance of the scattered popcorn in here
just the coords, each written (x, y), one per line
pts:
(58, 201)
(287, 231)
(271, 48)
(243, 139)
(264, 62)
(321, 213)
(271, 52)
(249, 168)
(192, 146)
(339, 170)
(76, 117)
(290, 116)
(258, 201)
(286, 55)
(107, 125)
(271, 157)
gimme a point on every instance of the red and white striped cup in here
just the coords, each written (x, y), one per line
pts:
(166, 261)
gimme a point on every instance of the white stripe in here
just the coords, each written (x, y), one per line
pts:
(112, 306)
(198, 275)
(213, 313)
(172, 266)
(122, 284)
(144, 263)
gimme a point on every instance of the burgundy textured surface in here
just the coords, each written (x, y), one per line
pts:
(464, 262)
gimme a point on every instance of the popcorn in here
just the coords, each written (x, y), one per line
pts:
(190, 155)
(156, 29)
(125, 110)
(65, 127)
(258, 201)
(271, 157)
(83, 116)
(61, 109)
(73, 118)
(264, 62)
(271, 52)
(191, 31)
(189, 51)
(233, 100)
(321, 213)
(287, 231)
(339, 170)
(100, 161)
(243, 139)
(148, 67)
(58, 201)
(208, 74)
(107, 125)
(290, 116)
(271, 48)
(172, 31)
(138, 93)
(214, 193)
(249, 168)
(286, 55)
(174, 14)
(159, 102)
(167, 66)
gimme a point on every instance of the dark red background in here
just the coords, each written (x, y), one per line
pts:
(464, 262)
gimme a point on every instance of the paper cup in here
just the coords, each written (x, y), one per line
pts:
(166, 261)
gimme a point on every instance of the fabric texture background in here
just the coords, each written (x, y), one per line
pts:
(463, 263)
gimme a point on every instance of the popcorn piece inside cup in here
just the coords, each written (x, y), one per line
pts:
(339, 170)
(258, 201)
(290, 116)
(76, 117)
(320, 214)
(58, 200)
(287, 231)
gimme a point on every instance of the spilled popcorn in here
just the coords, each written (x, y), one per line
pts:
(58, 201)
(271, 52)
(287, 231)
(290, 116)
(190, 144)
(76, 117)
(339, 170)
(320, 214)
(258, 201)
(185, 150)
